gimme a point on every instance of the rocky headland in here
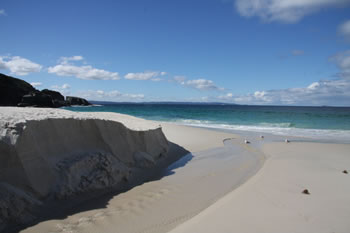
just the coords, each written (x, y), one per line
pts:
(17, 92)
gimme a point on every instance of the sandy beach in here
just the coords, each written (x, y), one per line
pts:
(225, 185)
(272, 201)
(180, 193)
(207, 116)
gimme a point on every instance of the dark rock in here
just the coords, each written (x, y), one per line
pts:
(36, 99)
(57, 98)
(55, 95)
(16, 92)
(345, 172)
(12, 90)
(71, 100)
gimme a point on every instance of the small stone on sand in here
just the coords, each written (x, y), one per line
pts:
(305, 191)
(345, 172)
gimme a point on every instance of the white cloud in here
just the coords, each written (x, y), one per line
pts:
(286, 11)
(314, 85)
(324, 92)
(19, 65)
(147, 75)
(344, 30)
(64, 89)
(2, 12)
(110, 95)
(228, 96)
(202, 84)
(82, 72)
(65, 86)
(65, 60)
(330, 92)
(199, 84)
(36, 84)
(342, 60)
(180, 79)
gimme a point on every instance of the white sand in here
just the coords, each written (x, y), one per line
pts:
(196, 195)
(161, 205)
(40, 142)
(50, 154)
(272, 201)
(195, 139)
(14, 115)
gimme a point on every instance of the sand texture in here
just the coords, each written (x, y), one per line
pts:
(273, 202)
(220, 185)
(185, 189)
(53, 154)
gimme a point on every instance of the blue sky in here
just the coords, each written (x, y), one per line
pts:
(289, 52)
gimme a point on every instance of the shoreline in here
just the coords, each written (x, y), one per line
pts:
(273, 201)
(272, 137)
(174, 204)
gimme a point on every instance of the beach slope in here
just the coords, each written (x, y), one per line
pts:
(274, 201)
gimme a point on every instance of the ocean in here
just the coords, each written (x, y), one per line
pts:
(325, 123)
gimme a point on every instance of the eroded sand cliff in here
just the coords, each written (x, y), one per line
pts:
(50, 154)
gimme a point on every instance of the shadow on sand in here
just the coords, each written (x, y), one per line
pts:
(58, 210)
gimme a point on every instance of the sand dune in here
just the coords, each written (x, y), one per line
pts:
(53, 154)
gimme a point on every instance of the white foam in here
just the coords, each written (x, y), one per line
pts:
(277, 129)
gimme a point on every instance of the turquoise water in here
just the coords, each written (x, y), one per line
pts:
(315, 122)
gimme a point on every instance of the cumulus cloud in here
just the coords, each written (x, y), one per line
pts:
(342, 61)
(64, 89)
(65, 60)
(344, 30)
(147, 75)
(36, 84)
(324, 92)
(180, 79)
(65, 68)
(199, 84)
(19, 65)
(286, 11)
(330, 92)
(2, 12)
(202, 84)
(110, 95)
(228, 96)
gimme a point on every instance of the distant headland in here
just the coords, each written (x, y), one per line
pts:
(17, 92)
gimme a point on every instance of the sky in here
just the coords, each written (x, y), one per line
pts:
(264, 52)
